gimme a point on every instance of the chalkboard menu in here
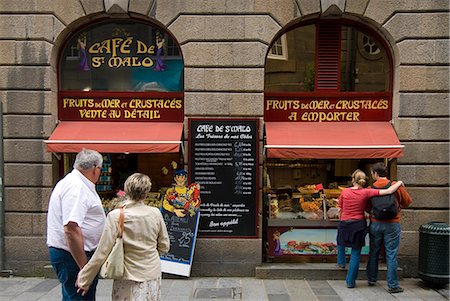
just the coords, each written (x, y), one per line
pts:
(182, 235)
(224, 161)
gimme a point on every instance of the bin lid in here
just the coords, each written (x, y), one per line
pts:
(438, 228)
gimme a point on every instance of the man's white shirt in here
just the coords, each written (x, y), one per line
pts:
(74, 199)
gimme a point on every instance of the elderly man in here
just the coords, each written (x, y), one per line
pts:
(75, 222)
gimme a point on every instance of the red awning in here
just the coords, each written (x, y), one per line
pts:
(332, 140)
(116, 137)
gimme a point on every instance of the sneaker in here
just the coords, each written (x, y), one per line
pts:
(371, 283)
(395, 290)
(341, 266)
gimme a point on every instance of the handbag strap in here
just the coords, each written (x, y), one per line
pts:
(121, 221)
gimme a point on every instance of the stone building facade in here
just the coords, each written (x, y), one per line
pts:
(224, 44)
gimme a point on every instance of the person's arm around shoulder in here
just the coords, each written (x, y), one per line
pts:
(393, 188)
(404, 198)
(163, 243)
(75, 242)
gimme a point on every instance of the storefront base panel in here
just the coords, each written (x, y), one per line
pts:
(226, 257)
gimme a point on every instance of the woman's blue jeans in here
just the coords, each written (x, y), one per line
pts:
(67, 270)
(341, 260)
(390, 234)
(353, 266)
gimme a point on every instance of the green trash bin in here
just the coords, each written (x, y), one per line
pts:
(434, 253)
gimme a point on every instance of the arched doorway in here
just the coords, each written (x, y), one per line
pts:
(120, 92)
(327, 112)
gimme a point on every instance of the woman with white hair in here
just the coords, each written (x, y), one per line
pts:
(144, 238)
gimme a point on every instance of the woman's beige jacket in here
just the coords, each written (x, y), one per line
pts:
(144, 239)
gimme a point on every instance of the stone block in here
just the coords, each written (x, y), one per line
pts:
(24, 199)
(423, 175)
(140, 6)
(283, 11)
(356, 6)
(326, 4)
(417, 25)
(247, 104)
(23, 126)
(308, 6)
(29, 175)
(424, 51)
(424, 104)
(429, 197)
(229, 79)
(417, 129)
(116, 6)
(28, 102)
(232, 54)
(25, 77)
(66, 10)
(168, 11)
(260, 27)
(25, 52)
(409, 243)
(33, 27)
(25, 224)
(211, 103)
(423, 78)
(409, 265)
(92, 6)
(27, 268)
(413, 219)
(381, 10)
(26, 247)
(419, 152)
(223, 269)
(25, 150)
(210, 250)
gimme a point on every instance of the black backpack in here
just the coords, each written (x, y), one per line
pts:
(384, 206)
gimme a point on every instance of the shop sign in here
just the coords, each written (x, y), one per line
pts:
(224, 161)
(162, 107)
(373, 107)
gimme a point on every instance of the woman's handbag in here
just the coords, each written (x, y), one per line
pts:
(113, 267)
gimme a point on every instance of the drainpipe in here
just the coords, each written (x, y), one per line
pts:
(2, 201)
(3, 272)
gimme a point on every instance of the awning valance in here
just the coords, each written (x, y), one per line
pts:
(332, 140)
(116, 137)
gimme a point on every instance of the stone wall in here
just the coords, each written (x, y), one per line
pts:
(224, 44)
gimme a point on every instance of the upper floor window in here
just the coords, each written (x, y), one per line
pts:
(121, 55)
(279, 49)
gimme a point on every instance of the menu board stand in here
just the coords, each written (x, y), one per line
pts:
(224, 161)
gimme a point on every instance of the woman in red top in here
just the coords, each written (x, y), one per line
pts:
(352, 229)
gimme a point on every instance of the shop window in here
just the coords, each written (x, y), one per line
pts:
(295, 72)
(122, 79)
(121, 56)
(328, 57)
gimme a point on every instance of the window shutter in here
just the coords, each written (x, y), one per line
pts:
(328, 57)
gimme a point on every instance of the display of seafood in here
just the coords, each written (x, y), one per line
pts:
(308, 247)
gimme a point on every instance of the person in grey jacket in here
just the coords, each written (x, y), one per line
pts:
(145, 237)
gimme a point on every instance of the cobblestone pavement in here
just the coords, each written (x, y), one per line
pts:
(227, 289)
